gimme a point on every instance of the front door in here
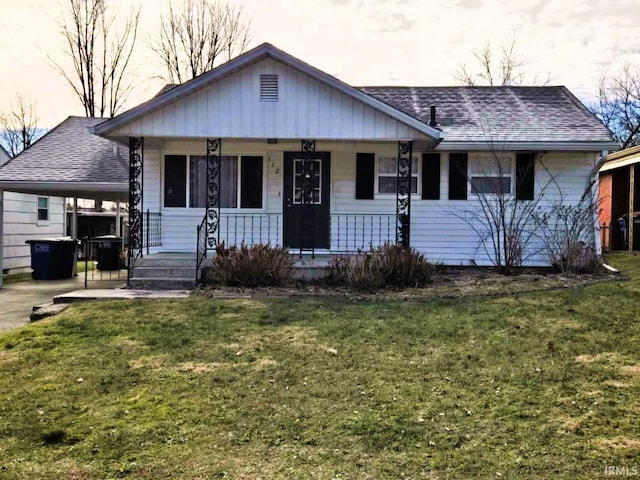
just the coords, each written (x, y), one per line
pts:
(306, 199)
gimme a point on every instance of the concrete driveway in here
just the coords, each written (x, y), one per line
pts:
(18, 299)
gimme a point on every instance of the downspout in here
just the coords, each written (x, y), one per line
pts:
(592, 189)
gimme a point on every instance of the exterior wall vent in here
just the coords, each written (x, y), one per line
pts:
(269, 87)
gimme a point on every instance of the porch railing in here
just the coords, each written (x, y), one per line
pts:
(351, 232)
(201, 246)
(251, 228)
(152, 229)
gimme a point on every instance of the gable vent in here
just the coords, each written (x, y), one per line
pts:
(269, 88)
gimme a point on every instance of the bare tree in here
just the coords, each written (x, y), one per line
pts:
(197, 34)
(507, 69)
(99, 44)
(618, 104)
(18, 125)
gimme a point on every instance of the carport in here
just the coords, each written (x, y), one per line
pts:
(69, 162)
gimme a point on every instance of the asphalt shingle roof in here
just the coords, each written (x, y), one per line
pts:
(513, 114)
(70, 153)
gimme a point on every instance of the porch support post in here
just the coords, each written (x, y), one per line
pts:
(630, 223)
(214, 148)
(403, 193)
(136, 151)
(74, 219)
(1, 233)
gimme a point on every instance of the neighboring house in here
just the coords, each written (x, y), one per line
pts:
(26, 217)
(619, 195)
(68, 161)
(307, 161)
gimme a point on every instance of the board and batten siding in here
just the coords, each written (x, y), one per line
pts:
(21, 224)
(437, 229)
(305, 108)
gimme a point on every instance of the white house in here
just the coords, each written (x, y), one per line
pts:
(269, 148)
(27, 217)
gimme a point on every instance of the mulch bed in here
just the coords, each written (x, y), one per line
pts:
(449, 283)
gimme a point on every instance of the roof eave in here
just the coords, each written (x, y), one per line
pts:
(597, 146)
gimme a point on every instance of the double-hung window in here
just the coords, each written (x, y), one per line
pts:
(387, 175)
(43, 209)
(490, 173)
(239, 186)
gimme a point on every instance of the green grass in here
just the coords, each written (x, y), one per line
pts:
(542, 385)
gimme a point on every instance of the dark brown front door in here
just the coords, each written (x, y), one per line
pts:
(306, 199)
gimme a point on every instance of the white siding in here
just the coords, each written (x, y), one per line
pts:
(436, 227)
(306, 108)
(21, 224)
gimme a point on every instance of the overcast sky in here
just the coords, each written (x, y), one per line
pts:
(362, 42)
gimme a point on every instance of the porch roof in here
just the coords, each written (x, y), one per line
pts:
(623, 158)
(69, 161)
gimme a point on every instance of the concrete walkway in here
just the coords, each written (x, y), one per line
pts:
(18, 299)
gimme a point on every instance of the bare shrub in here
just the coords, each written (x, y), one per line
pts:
(260, 265)
(389, 265)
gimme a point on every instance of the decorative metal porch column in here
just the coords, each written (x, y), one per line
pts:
(403, 194)
(214, 147)
(136, 152)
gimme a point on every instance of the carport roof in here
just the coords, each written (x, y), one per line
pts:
(70, 161)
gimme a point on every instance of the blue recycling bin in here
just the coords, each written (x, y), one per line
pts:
(52, 258)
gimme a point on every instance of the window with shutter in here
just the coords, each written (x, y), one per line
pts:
(365, 175)
(525, 176)
(458, 175)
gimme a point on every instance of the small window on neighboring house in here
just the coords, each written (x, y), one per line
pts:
(490, 174)
(388, 175)
(269, 87)
(43, 209)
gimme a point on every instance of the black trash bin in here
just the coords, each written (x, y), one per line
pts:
(108, 251)
(52, 258)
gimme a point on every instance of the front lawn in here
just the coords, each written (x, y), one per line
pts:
(539, 385)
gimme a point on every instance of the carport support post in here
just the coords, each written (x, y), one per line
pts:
(74, 233)
(632, 172)
(1, 233)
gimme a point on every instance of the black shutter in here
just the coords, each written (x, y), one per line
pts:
(365, 175)
(251, 182)
(525, 176)
(431, 176)
(458, 176)
(175, 181)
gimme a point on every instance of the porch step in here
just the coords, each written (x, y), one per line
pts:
(163, 283)
(168, 260)
(175, 271)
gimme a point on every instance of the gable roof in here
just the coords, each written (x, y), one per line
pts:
(172, 94)
(70, 161)
(513, 115)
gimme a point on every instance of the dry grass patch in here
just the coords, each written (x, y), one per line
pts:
(203, 367)
(619, 443)
(631, 370)
(616, 383)
(604, 356)
(152, 361)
